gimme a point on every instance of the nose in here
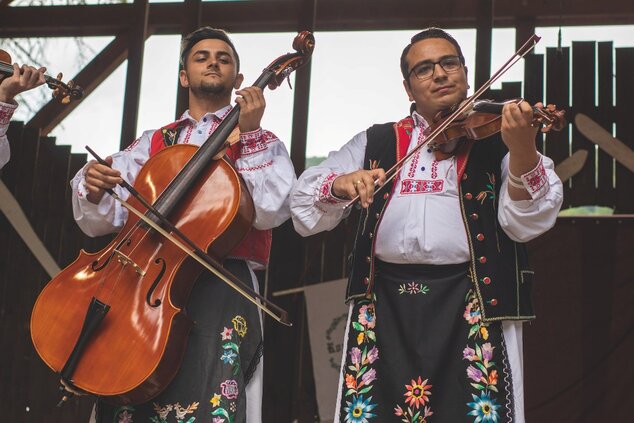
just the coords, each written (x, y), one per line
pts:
(440, 73)
(212, 63)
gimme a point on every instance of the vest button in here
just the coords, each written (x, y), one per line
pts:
(486, 280)
(368, 259)
(482, 259)
(377, 215)
(386, 195)
(370, 235)
(480, 237)
(468, 196)
(474, 216)
(464, 176)
(366, 281)
(493, 302)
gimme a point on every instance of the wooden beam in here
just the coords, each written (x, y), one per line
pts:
(281, 15)
(301, 96)
(191, 22)
(484, 37)
(136, 47)
(52, 113)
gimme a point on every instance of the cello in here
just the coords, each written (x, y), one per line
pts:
(112, 323)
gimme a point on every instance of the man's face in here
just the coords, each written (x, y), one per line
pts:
(211, 69)
(443, 89)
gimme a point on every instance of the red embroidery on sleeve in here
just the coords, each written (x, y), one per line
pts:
(325, 190)
(536, 178)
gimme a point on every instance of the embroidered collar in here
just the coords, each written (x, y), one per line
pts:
(419, 121)
(217, 116)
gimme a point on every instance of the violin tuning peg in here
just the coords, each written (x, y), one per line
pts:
(288, 79)
(66, 99)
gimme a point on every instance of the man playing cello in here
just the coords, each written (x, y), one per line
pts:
(213, 380)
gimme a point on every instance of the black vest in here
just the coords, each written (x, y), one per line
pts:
(503, 280)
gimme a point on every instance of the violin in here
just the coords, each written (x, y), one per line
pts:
(483, 119)
(113, 322)
(63, 92)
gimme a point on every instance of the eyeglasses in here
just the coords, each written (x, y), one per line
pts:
(425, 70)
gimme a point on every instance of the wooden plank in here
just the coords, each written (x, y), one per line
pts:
(132, 98)
(606, 195)
(484, 35)
(557, 92)
(301, 96)
(281, 16)
(584, 191)
(190, 22)
(534, 85)
(624, 125)
(89, 78)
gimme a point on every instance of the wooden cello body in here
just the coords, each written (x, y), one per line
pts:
(138, 346)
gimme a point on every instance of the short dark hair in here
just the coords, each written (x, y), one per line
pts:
(431, 32)
(206, 33)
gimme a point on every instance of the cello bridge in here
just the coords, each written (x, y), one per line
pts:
(125, 260)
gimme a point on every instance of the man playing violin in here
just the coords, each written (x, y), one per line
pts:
(221, 374)
(23, 79)
(439, 281)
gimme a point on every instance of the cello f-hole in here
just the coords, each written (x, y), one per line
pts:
(95, 264)
(148, 298)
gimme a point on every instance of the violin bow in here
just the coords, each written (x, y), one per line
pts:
(464, 106)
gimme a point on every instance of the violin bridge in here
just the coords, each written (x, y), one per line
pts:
(125, 260)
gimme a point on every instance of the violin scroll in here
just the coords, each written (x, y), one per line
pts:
(549, 117)
(65, 93)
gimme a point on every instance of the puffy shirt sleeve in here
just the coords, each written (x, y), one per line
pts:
(268, 172)
(523, 220)
(313, 206)
(109, 216)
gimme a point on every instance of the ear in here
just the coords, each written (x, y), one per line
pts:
(182, 76)
(238, 81)
(408, 90)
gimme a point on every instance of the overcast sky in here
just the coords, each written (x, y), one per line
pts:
(356, 82)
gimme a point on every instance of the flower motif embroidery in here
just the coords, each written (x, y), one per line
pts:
(417, 393)
(489, 192)
(228, 357)
(359, 410)
(230, 389)
(481, 372)
(416, 397)
(484, 408)
(215, 400)
(413, 288)
(360, 375)
(240, 325)
(226, 333)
